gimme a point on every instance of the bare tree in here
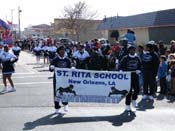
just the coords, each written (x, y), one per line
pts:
(77, 18)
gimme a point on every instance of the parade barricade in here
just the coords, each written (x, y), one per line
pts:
(75, 85)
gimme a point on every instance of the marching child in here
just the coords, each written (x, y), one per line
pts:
(60, 61)
(37, 51)
(45, 50)
(8, 61)
(162, 73)
(131, 62)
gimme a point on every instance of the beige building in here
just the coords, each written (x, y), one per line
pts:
(39, 31)
(87, 33)
(158, 25)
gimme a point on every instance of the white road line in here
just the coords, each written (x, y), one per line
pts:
(31, 76)
(22, 77)
(21, 73)
(35, 76)
(24, 73)
(31, 83)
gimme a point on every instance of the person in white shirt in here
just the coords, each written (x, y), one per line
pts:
(81, 56)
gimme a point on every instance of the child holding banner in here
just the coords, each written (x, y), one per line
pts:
(131, 62)
(60, 61)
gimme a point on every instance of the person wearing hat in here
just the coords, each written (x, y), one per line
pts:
(60, 61)
(132, 63)
(150, 68)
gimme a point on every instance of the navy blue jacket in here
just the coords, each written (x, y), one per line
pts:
(150, 62)
(130, 63)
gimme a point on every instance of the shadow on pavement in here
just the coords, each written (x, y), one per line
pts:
(38, 67)
(51, 77)
(160, 97)
(143, 105)
(53, 119)
(34, 64)
(46, 70)
(3, 93)
(170, 98)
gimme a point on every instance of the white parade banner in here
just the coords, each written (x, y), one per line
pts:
(75, 85)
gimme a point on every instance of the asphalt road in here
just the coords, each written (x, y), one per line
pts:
(31, 107)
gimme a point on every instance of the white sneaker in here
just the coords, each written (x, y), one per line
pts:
(145, 97)
(58, 111)
(151, 97)
(134, 103)
(66, 108)
(13, 89)
(127, 108)
(4, 90)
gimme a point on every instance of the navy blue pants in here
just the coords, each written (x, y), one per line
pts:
(134, 91)
(56, 103)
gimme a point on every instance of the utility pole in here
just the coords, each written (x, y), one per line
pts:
(19, 22)
(12, 17)
(12, 22)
